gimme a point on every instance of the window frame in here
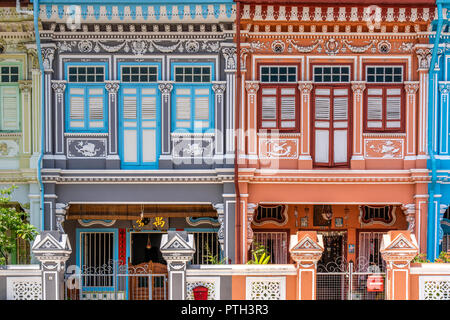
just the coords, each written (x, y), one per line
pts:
(193, 86)
(384, 86)
(278, 86)
(86, 86)
(14, 85)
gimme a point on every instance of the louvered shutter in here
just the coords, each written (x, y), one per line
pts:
(340, 125)
(374, 108)
(393, 108)
(340, 105)
(96, 106)
(269, 108)
(148, 108)
(10, 108)
(288, 114)
(322, 106)
(76, 107)
(130, 107)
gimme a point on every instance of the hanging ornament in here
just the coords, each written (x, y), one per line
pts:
(149, 243)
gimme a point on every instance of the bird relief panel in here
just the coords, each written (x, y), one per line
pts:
(278, 148)
(86, 148)
(192, 147)
(383, 148)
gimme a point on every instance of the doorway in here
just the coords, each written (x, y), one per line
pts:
(145, 247)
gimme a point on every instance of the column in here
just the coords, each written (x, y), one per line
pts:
(229, 54)
(219, 90)
(410, 212)
(48, 56)
(252, 123)
(357, 160)
(251, 207)
(165, 160)
(52, 249)
(221, 234)
(177, 248)
(112, 158)
(36, 117)
(305, 160)
(25, 90)
(306, 249)
(398, 248)
(411, 88)
(59, 87)
(60, 213)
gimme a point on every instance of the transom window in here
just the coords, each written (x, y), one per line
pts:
(193, 74)
(278, 74)
(381, 214)
(86, 74)
(139, 74)
(384, 74)
(9, 74)
(270, 213)
(331, 74)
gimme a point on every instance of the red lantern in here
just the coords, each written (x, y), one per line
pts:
(200, 293)
(375, 283)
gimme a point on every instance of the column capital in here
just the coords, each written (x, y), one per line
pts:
(219, 207)
(444, 88)
(48, 54)
(112, 86)
(25, 85)
(219, 87)
(305, 86)
(358, 87)
(59, 86)
(411, 87)
(229, 53)
(252, 87)
(410, 213)
(251, 207)
(165, 86)
(424, 57)
(220, 217)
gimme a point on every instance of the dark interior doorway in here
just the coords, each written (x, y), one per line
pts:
(145, 248)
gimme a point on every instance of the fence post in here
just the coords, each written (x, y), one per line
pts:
(398, 248)
(52, 249)
(306, 249)
(177, 248)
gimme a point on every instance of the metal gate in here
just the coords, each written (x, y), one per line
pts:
(115, 281)
(339, 280)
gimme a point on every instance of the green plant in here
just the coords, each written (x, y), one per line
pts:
(213, 259)
(259, 254)
(13, 226)
(421, 258)
(444, 257)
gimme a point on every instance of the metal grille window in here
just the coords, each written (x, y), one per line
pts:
(383, 74)
(381, 214)
(9, 74)
(207, 245)
(139, 74)
(86, 74)
(331, 74)
(278, 74)
(275, 244)
(369, 251)
(193, 74)
(446, 243)
(97, 254)
(274, 213)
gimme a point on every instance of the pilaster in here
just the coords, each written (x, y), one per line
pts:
(411, 88)
(59, 87)
(251, 128)
(305, 160)
(219, 89)
(165, 160)
(357, 160)
(112, 158)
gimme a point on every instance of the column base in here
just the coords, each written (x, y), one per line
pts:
(112, 162)
(305, 163)
(358, 163)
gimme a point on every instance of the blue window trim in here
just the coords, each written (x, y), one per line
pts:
(140, 85)
(79, 248)
(85, 86)
(193, 86)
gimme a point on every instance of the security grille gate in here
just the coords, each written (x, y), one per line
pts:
(275, 244)
(339, 280)
(115, 281)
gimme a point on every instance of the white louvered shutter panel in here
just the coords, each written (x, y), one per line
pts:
(340, 108)
(374, 108)
(96, 107)
(393, 108)
(288, 108)
(76, 101)
(148, 108)
(322, 107)
(129, 107)
(201, 108)
(10, 108)
(269, 108)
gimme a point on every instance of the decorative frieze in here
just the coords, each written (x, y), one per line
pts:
(278, 148)
(383, 148)
(92, 148)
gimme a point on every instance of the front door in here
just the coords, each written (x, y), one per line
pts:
(331, 126)
(140, 127)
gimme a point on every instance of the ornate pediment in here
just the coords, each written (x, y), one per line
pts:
(51, 241)
(307, 244)
(401, 243)
(177, 241)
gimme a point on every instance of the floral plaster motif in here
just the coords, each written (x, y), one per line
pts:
(383, 149)
(9, 148)
(278, 148)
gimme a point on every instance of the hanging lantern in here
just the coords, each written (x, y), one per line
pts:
(149, 243)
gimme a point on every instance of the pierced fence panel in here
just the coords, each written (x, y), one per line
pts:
(339, 280)
(116, 282)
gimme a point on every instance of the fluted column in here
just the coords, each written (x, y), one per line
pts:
(305, 160)
(112, 158)
(219, 90)
(165, 161)
(252, 124)
(59, 87)
(357, 160)
(411, 88)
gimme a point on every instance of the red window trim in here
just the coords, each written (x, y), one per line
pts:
(383, 120)
(278, 87)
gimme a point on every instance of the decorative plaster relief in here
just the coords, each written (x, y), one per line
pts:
(86, 148)
(383, 148)
(9, 148)
(278, 148)
(192, 147)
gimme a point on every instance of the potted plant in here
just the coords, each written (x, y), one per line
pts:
(419, 259)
